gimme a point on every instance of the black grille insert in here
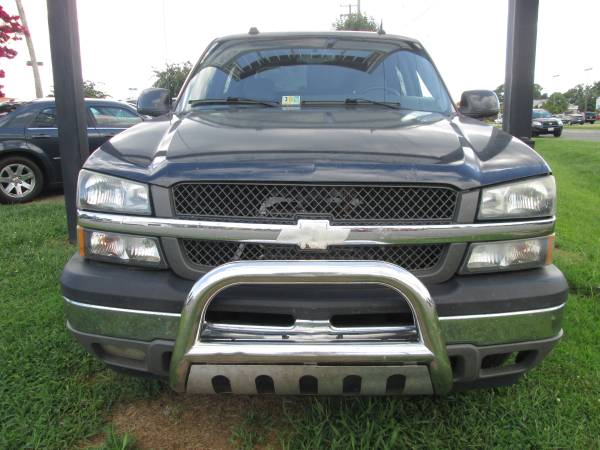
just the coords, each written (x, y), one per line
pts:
(285, 203)
(215, 253)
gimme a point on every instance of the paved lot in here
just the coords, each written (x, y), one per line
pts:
(583, 135)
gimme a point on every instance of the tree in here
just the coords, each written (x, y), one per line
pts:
(584, 96)
(10, 30)
(500, 92)
(356, 22)
(557, 103)
(172, 77)
(537, 92)
(90, 90)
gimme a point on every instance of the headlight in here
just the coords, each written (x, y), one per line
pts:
(509, 255)
(536, 123)
(529, 198)
(100, 192)
(120, 248)
(560, 122)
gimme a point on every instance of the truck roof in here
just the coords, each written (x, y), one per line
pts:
(366, 35)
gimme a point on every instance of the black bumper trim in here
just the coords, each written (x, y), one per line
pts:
(162, 291)
(466, 359)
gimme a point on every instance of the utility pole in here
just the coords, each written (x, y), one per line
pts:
(350, 5)
(34, 63)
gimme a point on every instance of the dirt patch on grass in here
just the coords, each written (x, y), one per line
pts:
(175, 421)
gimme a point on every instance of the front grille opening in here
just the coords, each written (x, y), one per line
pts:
(352, 384)
(395, 384)
(285, 203)
(216, 253)
(221, 384)
(264, 384)
(166, 361)
(505, 360)
(372, 320)
(308, 385)
(248, 318)
(498, 360)
(458, 365)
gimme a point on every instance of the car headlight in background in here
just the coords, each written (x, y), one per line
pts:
(535, 197)
(100, 192)
(120, 248)
(509, 255)
(536, 123)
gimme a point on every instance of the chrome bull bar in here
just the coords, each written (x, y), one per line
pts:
(423, 361)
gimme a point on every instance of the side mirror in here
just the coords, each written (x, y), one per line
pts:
(154, 102)
(479, 104)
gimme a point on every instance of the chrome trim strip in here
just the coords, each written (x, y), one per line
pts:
(307, 330)
(121, 323)
(505, 314)
(506, 328)
(476, 329)
(119, 310)
(315, 233)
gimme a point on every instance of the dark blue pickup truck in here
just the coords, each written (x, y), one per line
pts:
(315, 216)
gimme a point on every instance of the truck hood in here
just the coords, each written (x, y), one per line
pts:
(545, 119)
(368, 144)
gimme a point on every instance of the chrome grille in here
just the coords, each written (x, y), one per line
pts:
(285, 203)
(215, 253)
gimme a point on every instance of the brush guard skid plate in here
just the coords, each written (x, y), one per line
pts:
(417, 365)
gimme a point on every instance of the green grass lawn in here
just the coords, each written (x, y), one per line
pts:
(53, 395)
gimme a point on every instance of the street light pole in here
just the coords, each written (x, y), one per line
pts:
(34, 64)
(585, 94)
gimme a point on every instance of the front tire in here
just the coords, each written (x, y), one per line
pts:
(21, 180)
(557, 133)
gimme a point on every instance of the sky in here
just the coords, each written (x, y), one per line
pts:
(123, 41)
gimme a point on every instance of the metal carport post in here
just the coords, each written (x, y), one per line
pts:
(71, 116)
(520, 68)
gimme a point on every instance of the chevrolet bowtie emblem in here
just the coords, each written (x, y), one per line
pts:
(313, 234)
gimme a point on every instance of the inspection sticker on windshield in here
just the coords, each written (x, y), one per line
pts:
(290, 100)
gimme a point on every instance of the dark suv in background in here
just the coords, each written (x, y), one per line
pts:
(590, 117)
(29, 152)
(542, 122)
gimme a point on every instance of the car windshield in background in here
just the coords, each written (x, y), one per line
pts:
(541, 114)
(317, 71)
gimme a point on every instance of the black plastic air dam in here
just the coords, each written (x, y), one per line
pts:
(153, 290)
(466, 359)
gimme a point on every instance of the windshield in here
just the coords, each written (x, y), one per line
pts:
(313, 71)
(541, 114)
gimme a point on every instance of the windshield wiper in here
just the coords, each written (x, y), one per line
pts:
(359, 100)
(231, 101)
(352, 101)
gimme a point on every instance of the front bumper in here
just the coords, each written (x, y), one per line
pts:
(547, 129)
(468, 349)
